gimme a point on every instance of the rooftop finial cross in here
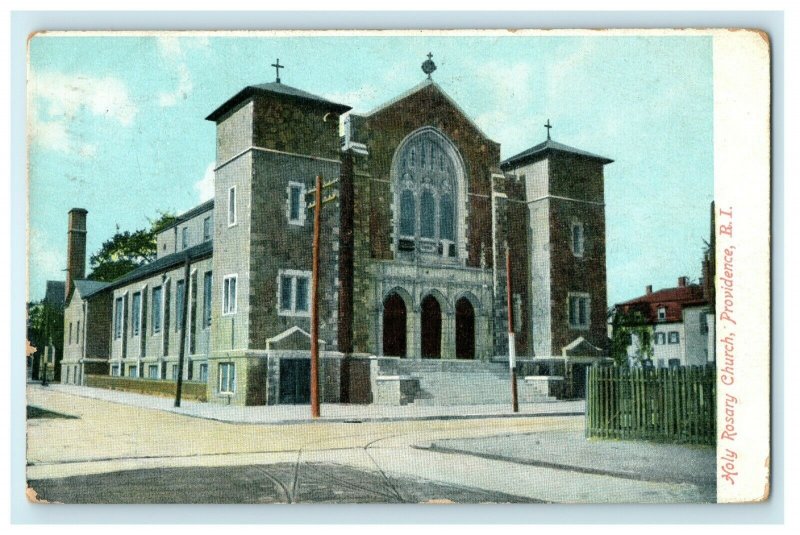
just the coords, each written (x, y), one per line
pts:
(548, 126)
(277, 66)
(428, 66)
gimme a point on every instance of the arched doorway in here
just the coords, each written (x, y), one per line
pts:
(431, 328)
(465, 329)
(394, 326)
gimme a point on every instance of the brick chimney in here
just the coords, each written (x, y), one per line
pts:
(683, 282)
(648, 289)
(76, 247)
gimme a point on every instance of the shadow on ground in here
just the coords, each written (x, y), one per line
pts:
(274, 483)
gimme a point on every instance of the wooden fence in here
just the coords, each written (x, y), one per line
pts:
(676, 405)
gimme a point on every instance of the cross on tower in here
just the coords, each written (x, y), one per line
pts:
(548, 126)
(277, 66)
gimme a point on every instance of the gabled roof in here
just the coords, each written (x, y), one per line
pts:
(674, 300)
(274, 89)
(548, 147)
(419, 87)
(162, 264)
(86, 287)
(192, 212)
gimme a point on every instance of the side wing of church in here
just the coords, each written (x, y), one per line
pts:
(413, 280)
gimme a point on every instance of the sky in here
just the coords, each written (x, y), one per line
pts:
(116, 125)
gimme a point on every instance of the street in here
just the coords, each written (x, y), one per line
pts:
(88, 450)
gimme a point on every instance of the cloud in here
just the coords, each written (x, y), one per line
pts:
(68, 95)
(59, 101)
(205, 186)
(173, 50)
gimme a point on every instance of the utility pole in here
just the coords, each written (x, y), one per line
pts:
(182, 344)
(317, 206)
(512, 349)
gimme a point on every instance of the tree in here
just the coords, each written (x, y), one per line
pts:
(126, 251)
(627, 328)
(45, 327)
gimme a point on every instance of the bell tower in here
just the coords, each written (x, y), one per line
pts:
(564, 190)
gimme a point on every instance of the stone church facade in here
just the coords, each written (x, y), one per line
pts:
(412, 258)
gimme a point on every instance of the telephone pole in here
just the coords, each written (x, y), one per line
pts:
(512, 349)
(182, 343)
(317, 206)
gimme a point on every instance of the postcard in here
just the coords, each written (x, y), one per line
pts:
(398, 267)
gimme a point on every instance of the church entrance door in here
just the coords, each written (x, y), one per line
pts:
(431, 328)
(394, 326)
(465, 329)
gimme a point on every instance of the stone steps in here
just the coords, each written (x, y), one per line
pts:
(443, 382)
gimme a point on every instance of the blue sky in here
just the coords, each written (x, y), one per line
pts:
(117, 124)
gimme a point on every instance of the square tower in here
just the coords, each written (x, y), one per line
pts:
(565, 196)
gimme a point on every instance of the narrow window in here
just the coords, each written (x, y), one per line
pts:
(136, 312)
(118, 318)
(78, 332)
(577, 239)
(427, 215)
(407, 216)
(185, 237)
(232, 206)
(156, 310)
(70, 333)
(301, 295)
(180, 293)
(674, 337)
(296, 205)
(286, 293)
(207, 228)
(229, 295)
(578, 311)
(659, 339)
(207, 299)
(662, 313)
(204, 373)
(446, 230)
(152, 371)
(227, 378)
(174, 372)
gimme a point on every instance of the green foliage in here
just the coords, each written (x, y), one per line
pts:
(625, 328)
(45, 325)
(126, 251)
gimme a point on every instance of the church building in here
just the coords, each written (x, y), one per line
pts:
(413, 279)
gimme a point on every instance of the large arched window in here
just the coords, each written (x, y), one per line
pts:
(428, 192)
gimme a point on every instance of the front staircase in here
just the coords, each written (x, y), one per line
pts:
(454, 382)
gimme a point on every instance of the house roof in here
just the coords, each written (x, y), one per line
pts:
(674, 300)
(161, 264)
(54, 293)
(548, 147)
(273, 89)
(187, 215)
(88, 287)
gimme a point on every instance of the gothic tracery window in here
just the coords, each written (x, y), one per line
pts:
(426, 193)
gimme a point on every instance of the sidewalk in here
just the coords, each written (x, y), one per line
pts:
(330, 412)
(570, 450)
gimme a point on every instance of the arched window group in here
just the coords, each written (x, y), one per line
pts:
(427, 185)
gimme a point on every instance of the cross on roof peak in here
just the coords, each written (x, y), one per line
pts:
(277, 66)
(548, 126)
